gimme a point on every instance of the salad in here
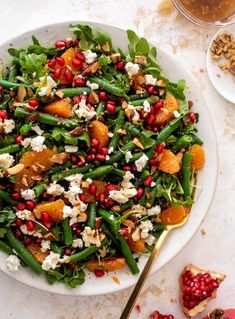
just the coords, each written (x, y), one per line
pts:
(98, 154)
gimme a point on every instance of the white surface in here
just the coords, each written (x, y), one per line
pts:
(206, 179)
(214, 250)
(222, 80)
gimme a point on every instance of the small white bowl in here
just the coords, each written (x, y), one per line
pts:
(222, 80)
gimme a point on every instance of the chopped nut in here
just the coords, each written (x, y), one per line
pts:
(30, 92)
(140, 79)
(161, 83)
(60, 94)
(124, 104)
(82, 218)
(136, 235)
(60, 158)
(91, 69)
(15, 169)
(203, 231)
(116, 208)
(106, 47)
(128, 223)
(49, 236)
(21, 93)
(140, 59)
(121, 132)
(137, 142)
(33, 117)
(98, 222)
(77, 131)
(85, 184)
(24, 181)
(115, 57)
(93, 98)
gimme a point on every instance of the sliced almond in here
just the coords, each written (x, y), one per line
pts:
(93, 98)
(115, 57)
(21, 93)
(77, 131)
(161, 83)
(82, 218)
(49, 236)
(128, 223)
(137, 142)
(106, 47)
(121, 132)
(60, 158)
(15, 169)
(136, 234)
(60, 94)
(116, 208)
(91, 69)
(140, 59)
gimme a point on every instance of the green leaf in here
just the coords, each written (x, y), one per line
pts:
(2, 232)
(104, 60)
(132, 37)
(76, 279)
(53, 276)
(177, 89)
(183, 106)
(31, 63)
(86, 138)
(102, 37)
(14, 52)
(142, 47)
(2, 218)
(152, 57)
(35, 40)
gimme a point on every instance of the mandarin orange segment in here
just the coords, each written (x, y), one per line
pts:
(34, 164)
(54, 210)
(111, 264)
(37, 253)
(173, 215)
(136, 246)
(99, 131)
(68, 57)
(61, 108)
(165, 114)
(169, 162)
(198, 157)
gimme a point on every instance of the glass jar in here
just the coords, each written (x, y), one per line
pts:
(207, 13)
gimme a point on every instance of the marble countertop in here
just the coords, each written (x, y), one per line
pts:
(213, 246)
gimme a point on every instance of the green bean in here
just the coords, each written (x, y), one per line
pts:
(86, 252)
(182, 142)
(25, 128)
(126, 252)
(138, 96)
(39, 189)
(24, 254)
(5, 197)
(135, 157)
(196, 139)
(118, 172)
(119, 124)
(11, 149)
(12, 73)
(143, 175)
(92, 215)
(125, 206)
(99, 171)
(119, 154)
(4, 105)
(70, 92)
(100, 109)
(110, 219)
(47, 118)
(168, 130)
(186, 174)
(141, 102)
(78, 170)
(9, 85)
(57, 168)
(7, 140)
(5, 247)
(68, 235)
(107, 231)
(107, 86)
(55, 248)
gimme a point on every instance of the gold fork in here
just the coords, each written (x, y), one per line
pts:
(143, 276)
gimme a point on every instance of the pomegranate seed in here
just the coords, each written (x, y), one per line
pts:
(1, 89)
(3, 114)
(103, 95)
(72, 266)
(20, 206)
(52, 63)
(112, 102)
(126, 168)
(30, 205)
(47, 224)
(78, 231)
(153, 161)
(111, 187)
(18, 222)
(94, 150)
(60, 61)
(152, 110)
(90, 157)
(45, 217)
(79, 82)
(100, 157)
(57, 73)
(45, 195)
(155, 128)
(68, 75)
(158, 315)
(95, 142)
(142, 114)
(59, 44)
(190, 104)
(160, 148)
(148, 127)
(76, 62)
(192, 117)
(92, 189)
(27, 241)
(74, 159)
(134, 169)
(19, 139)
(67, 251)
(104, 150)
(99, 273)
(82, 197)
(18, 233)
(148, 181)
(38, 241)
(81, 163)
(34, 103)
(15, 195)
(120, 66)
(102, 197)
(150, 89)
(30, 225)
(80, 56)
(140, 192)
(76, 99)
(159, 105)
(124, 231)
(109, 202)
(151, 119)
(110, 107)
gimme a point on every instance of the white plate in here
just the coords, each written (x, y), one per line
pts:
(206, 181)
(222, 80)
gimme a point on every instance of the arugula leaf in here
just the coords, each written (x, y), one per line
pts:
(133, 39)
(104, 60)
(177, 89)
(14, 52)
(142, 47)
(77, 278)
(102, 37)
(86, 138)
(183, 106)
(35, 40)
(2, 232)
(31, 63)
(53, 276)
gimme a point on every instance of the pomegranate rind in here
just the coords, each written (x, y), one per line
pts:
(203, 304)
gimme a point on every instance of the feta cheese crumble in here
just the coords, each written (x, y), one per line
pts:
(6, 160)
(55, 189)
(36, 128)
(7, 126)
(132, 68)
(110, 150)
(26, 142)
(90, 56)
(92, 237)
(53, 261)
(155, 210)
(84, 111)
(37, 143)
(45, 245)
(128, 156)
(28, 194)
(176, 114)
(110, 134)
(93, 86)
(132, 114)
(150, 80)
(71, 148)
(145, 227)
(77, 243)
(123, 195)
(141, 162)
(147, 106)
(150, 240)
(13, 263)
(25, 214)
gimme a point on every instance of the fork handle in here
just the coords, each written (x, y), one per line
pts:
(144, 274)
